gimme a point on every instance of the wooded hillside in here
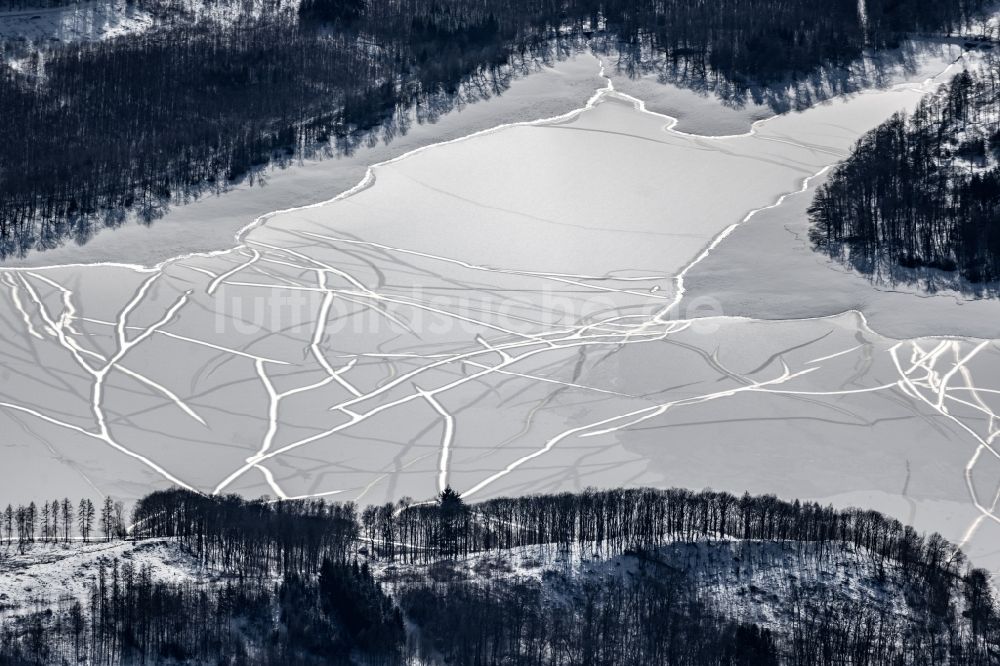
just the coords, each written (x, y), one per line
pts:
(661, 578)
(921, 190)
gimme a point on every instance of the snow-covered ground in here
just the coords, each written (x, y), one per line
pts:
(23, 32)
(46, 573)
(749, 581)
(520, 310)
(89, 20)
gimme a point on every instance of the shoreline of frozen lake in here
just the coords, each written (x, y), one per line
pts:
(748, 276)
(212, 222)
(719, 109)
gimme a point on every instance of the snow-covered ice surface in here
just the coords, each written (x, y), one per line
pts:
(521, 310)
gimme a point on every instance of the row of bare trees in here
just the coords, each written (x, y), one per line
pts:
(59, 521)
(251, 538)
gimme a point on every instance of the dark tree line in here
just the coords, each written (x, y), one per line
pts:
(628, 519)
(288, 589)
(95, 134)
(250, 538)
(921, 190)
(259, 538)
(611, 522)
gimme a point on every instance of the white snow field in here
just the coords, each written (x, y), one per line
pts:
(750, 580)
(21, 30)
(540, 307)
(83, 22)
(46, 574)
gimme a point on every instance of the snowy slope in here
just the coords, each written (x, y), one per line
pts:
(749, 581)
(91, 20)
(46, 573)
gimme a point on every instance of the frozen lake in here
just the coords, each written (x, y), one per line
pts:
(592, 299)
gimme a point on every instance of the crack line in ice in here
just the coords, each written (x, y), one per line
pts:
(16, 298)
(447, 437)
(593, 340)
(576, 280)
(98, 374)
(832, 356)
(233, 271)
(920, 361)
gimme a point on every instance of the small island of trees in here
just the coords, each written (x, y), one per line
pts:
(922, 190)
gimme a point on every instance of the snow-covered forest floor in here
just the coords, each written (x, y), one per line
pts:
(23, 31)
(47, 573)
(754, 582)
